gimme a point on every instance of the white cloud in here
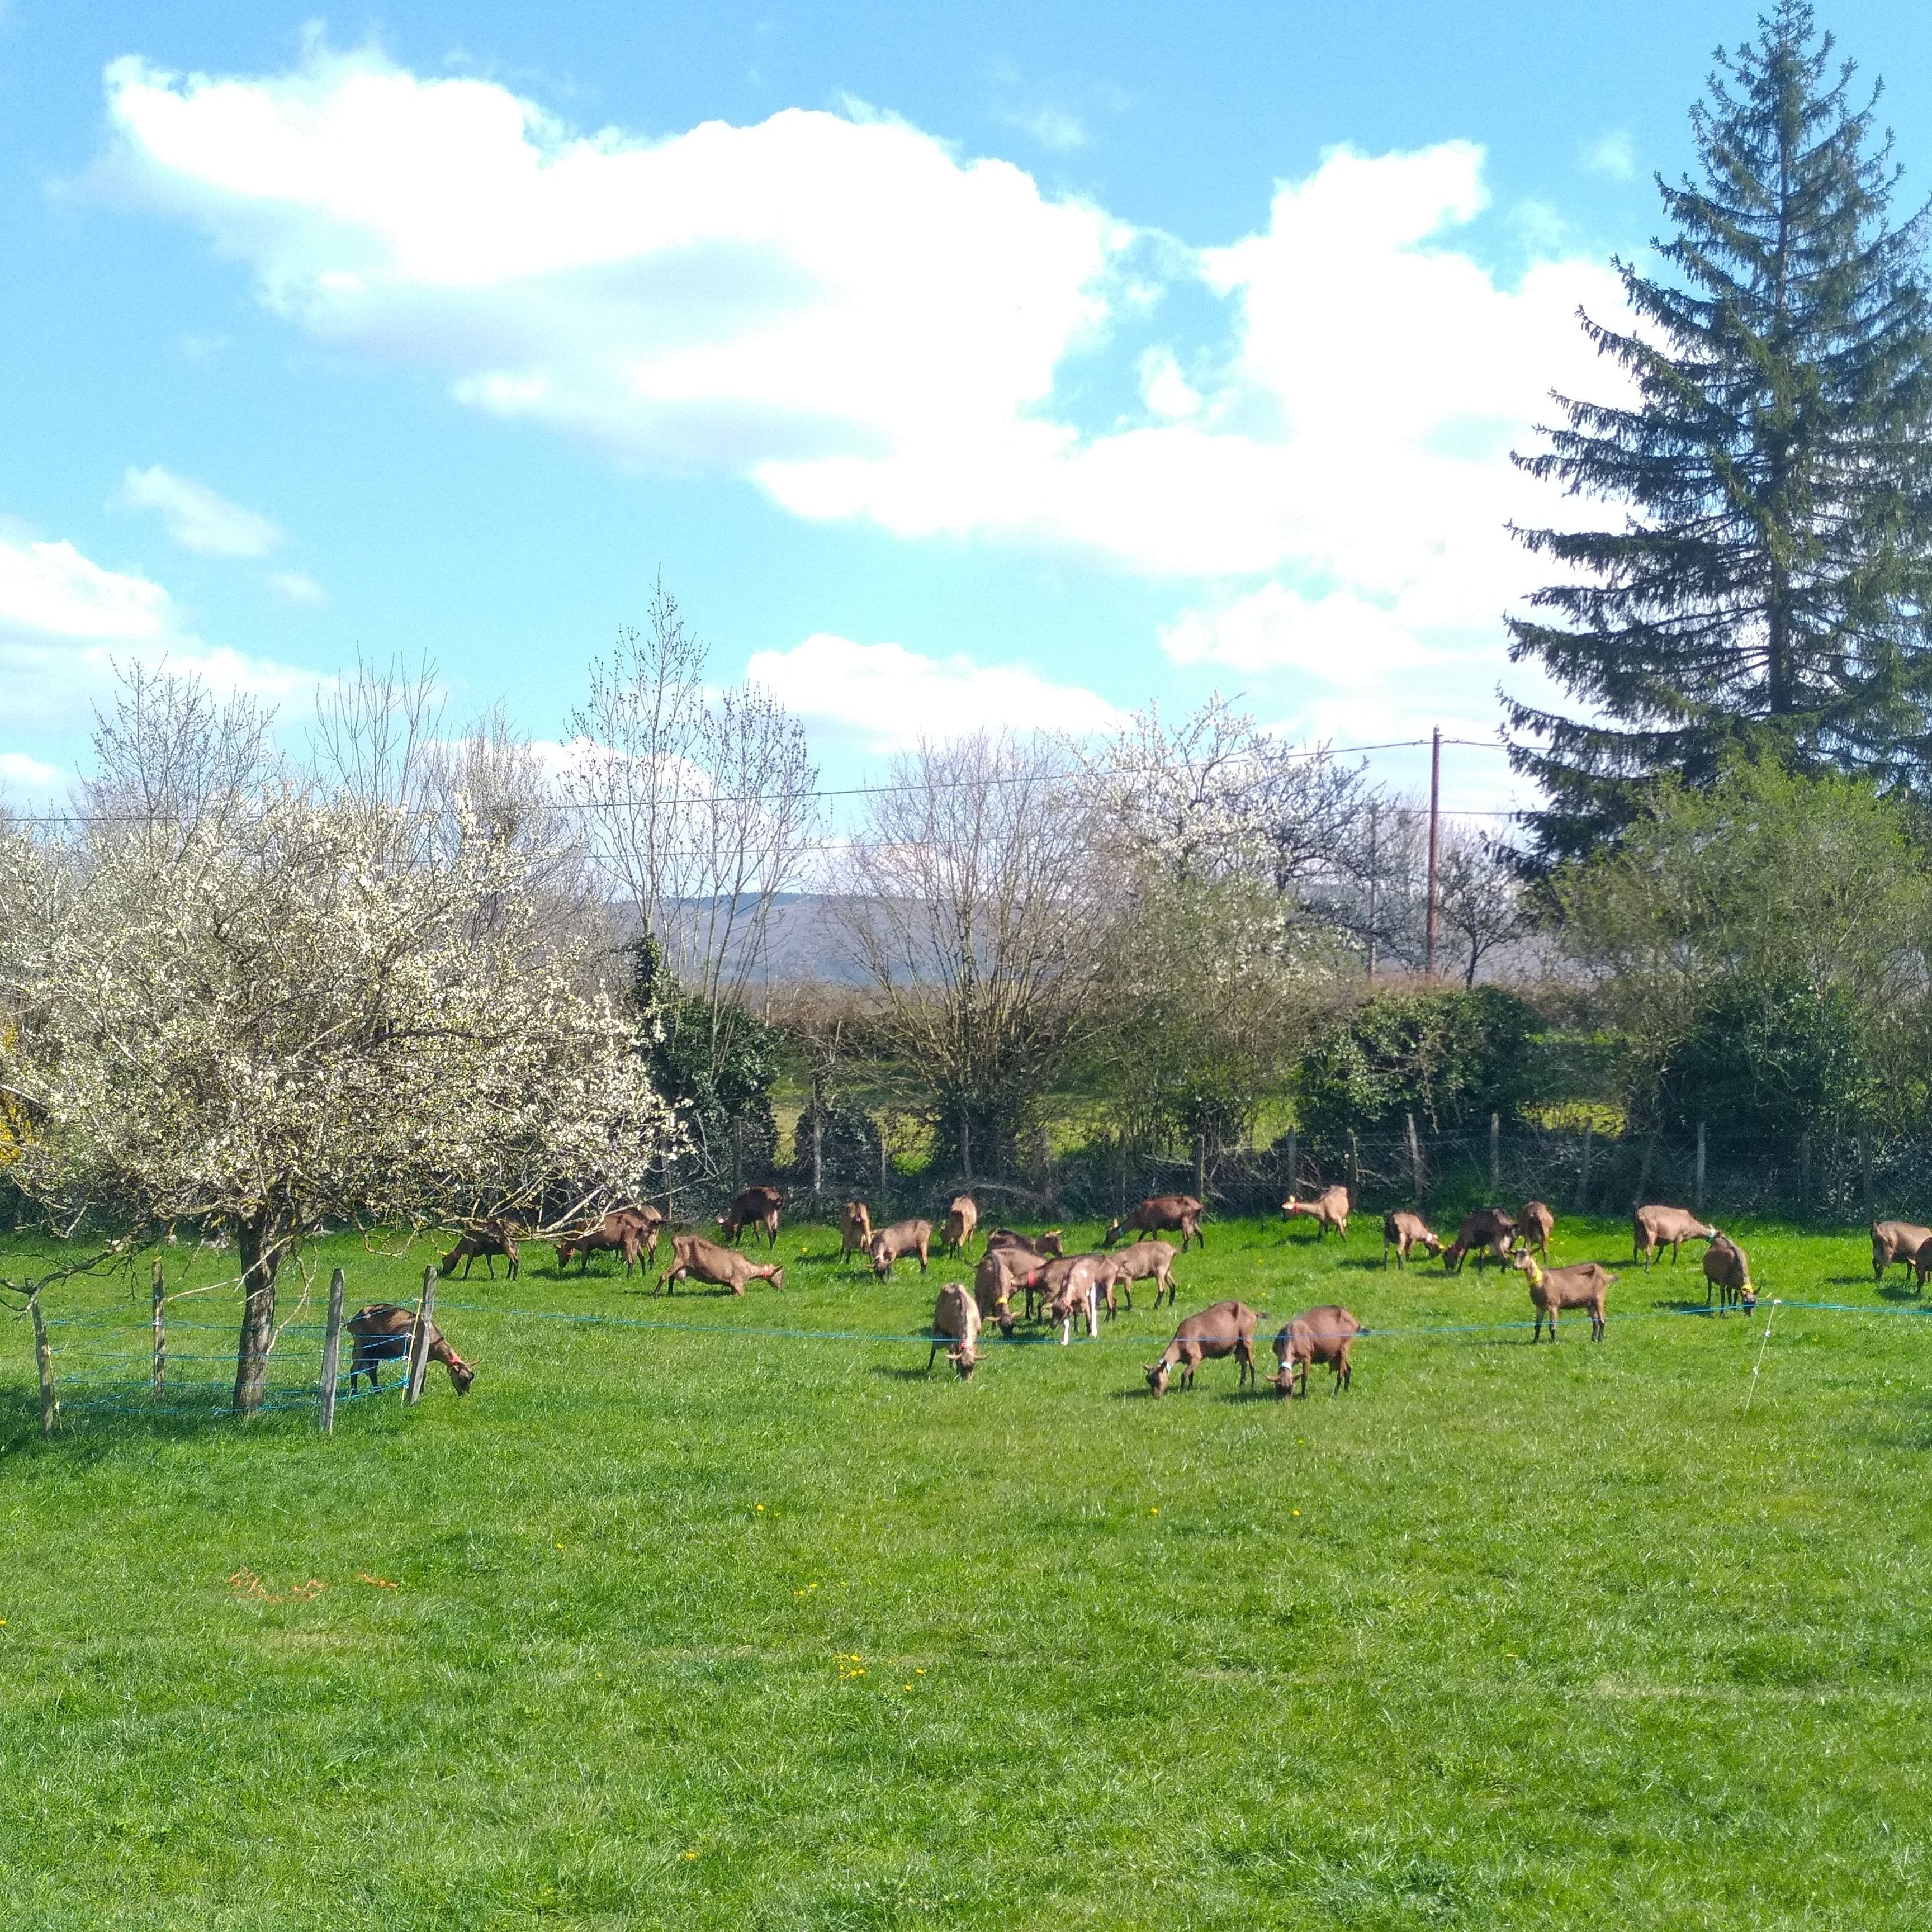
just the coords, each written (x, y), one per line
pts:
(890, 697)
(196, 517)
(1052, 128)
(66, 621)
(1614, 154)
(29, 774)
(298, 586)
(1165, 391)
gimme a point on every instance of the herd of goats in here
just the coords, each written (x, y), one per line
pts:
(1054, 1287)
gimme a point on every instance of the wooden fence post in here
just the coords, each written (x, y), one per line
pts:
(1201, 1166)
(160, 1329)
(1865, 1170)
(1120, 1177)
(966, 1148)
(1354, 1167)
(1294, 1159)
(1804, 1176)
(331, 1356)
(1583, 1178)
(43, 1360)
(1495, 1157)
(1697, 1195)
(419, 1338)
(817, 1146)
(1414, 1158)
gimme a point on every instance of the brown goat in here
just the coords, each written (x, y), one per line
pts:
(1146, 1261)
(1654, 1228)
(994, 1281)
(961, 1218)
(1228, 1328)
(855, 1230)
(755, 1207)
(1534, 1227)
(1073, 1286)
(1403, 1231)
(1921, 1266)
(1896, 1241)
(1322, 1335)
(956, 1318)
(482, 1241)
(1161, 1214)
(1487, 1234)
(1329, 1209)
(383, 1331)
(695, 1259)
(902, 1237)
(629, 1231)
(1581, 1285)
(1048, 1244)
(1727, 1269)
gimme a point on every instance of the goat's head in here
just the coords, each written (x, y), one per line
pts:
(1156, 1376)
(965, 1359)
(460, 1372)
(1049, 1242)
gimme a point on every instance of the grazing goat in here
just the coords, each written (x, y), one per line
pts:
(855, 1230)
(1161, 1214)
(1727, 1269)
(1535, 1226)
(1228, 1328)
(481, 1242)
(1896, 1241)
(1146, 1261)
(956, 1318)
(994, 1281)
(1403, 1231)
(1072, 1285)
(382, 1332)
(961, 1218)
(1921, 1266)
(1322, 1335)
(629, 1231)
(755, 1207)
(1581, 1285)
(1328, 1209)
(1654, 1227)
(695, 1258)
(902, 1237)
(1487, 1233)
(1048, 1244)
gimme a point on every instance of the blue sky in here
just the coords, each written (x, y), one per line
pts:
(953, 365)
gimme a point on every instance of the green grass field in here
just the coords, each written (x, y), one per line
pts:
(747, 1622)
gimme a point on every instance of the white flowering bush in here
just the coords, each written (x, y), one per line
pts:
(300, 1012)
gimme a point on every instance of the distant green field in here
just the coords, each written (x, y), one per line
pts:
(745, 1621)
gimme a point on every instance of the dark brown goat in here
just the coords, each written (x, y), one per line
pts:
(1486, 1233)
(383, 1331)
(1228, 1328)
(855, 1230)
(481, 1242)
(1322, 1335)
(1727, 1269)
(755, 1207)
(1896, 1241)
(1048, 1244)
(1161, 1214)
(1534, 1228)
(629, 1231)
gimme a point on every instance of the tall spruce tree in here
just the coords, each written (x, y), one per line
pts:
(1768, 591)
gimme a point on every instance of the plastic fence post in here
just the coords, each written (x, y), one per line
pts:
(331, 1356)
(160, 1331)
(419, 1337)
(43, 1360)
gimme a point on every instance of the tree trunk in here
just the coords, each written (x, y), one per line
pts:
(263, 1242)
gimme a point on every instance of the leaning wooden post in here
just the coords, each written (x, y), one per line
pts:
(332, 1357)
(1414, 1158)
(1495, 1156)
(1697, 1196)
(1354, 1166)
(160, 1331)
(43, 1360)
(419, 1337)
(1583, 1178)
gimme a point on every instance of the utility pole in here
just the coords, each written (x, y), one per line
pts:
(1435, 847)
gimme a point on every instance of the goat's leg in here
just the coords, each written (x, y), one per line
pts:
(933, 1353)
(1066, 1328)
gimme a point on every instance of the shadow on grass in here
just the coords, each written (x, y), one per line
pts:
(90, 1436)
(919, 1375)
(1900, 1291)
